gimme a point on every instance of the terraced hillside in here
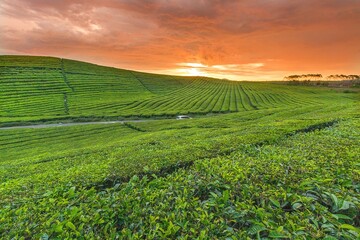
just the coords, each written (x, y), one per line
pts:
(282, 164)
(33, 88)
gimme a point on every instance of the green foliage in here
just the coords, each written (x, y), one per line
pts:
(43, 88)
(283, 165)
(263, 178)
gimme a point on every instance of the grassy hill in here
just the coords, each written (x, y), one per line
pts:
(34, 88)
(282, 164)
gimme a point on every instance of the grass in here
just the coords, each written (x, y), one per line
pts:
(282, 163)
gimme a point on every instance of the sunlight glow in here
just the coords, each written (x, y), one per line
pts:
(228, 71)
(194, 72)
(193, 65)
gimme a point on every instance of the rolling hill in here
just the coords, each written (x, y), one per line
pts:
(34, 88)
(283, 163)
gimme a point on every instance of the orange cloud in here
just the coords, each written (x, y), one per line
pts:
(249, 39)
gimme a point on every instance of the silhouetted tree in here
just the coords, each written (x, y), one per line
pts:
(316, 76)
(340, 77)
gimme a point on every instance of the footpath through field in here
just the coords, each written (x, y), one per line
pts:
(74, 124)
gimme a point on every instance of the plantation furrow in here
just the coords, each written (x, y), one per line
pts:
(226, 102)
(106, 107)
(267, 100)
(180, 98)
(165, 102)
(131, 105)
(58, 135)
(253, 98)
(201, 95)
(240, 104)
(270, 99)
(233, 100)
(99, 106)
(261, 97)
(32, 105)
(217, 107)
(284, 101)
(300, 99)
(287, 99)
(243, 99)
(159, 99)
(141, 104)
(20, 96)
(290, 101)
(52, 132)
(247, 98)
(22, 148)
(182, 88)
(184, 102)
(216, 102)
(206, 105)
(258, 98)
(196, 107)
(275, 101)
(216, 99)
(35, 112)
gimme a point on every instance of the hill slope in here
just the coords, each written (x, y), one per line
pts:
(276, 173)
(46, 87)
(284, 165)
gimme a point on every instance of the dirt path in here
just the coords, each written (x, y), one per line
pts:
(70, 124)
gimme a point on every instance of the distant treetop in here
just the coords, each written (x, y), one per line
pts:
(318, 76)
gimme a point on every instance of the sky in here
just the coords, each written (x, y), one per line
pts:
(238, 40)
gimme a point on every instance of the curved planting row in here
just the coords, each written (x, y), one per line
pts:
(206, 95)
(33, 87)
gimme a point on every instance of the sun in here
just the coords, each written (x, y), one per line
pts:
(194, 72)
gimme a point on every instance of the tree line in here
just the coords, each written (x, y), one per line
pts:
(318, 76)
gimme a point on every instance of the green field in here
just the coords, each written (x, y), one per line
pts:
(43, 88)
(282, 163)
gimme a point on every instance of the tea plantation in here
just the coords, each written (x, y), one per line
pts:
(41, 88)
(282, 163)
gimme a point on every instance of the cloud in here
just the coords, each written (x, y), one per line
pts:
(157, 35)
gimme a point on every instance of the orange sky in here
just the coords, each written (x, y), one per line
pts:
(240, 40)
